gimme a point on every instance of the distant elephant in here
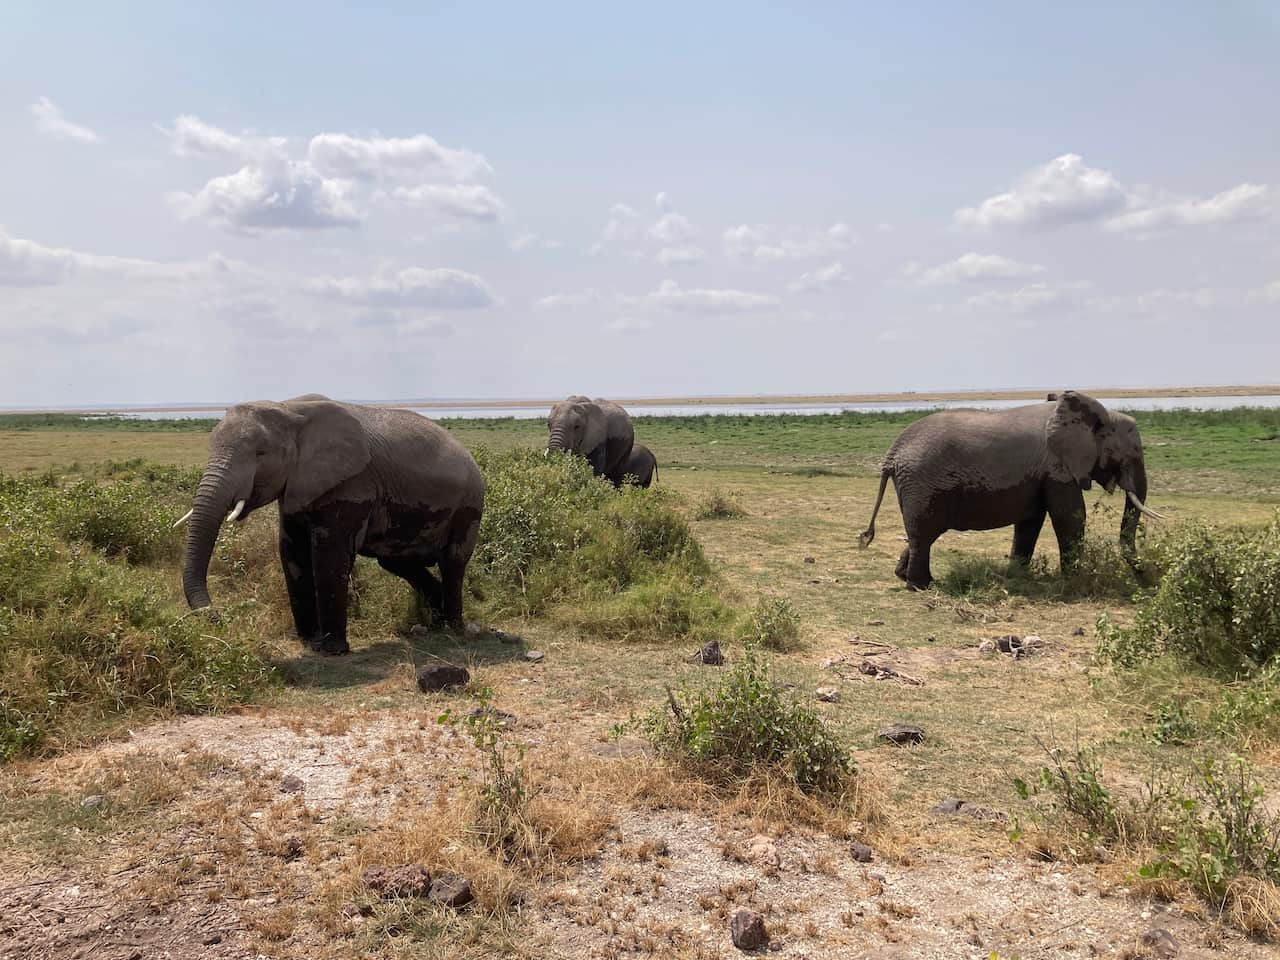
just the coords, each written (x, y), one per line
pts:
(982, 469)
(599, 430)
(350, 479)
(643, 465)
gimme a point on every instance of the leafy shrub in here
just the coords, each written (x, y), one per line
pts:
(745, 723)
(773, 623)
(718, 505)
(1217, 603)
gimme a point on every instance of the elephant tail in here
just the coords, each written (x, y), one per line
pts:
(869, 534)
(655, 472)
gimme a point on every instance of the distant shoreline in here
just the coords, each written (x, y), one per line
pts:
(950, 396)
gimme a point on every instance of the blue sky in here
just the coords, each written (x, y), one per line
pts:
(536, 200)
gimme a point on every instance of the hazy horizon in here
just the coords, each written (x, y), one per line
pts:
(480, 202)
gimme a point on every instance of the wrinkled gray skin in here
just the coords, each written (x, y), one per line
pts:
(599, 430)
(642, 465)
(982, 469)
(349, 479)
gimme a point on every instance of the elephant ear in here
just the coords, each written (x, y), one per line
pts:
(332, 448)
(1072, 433)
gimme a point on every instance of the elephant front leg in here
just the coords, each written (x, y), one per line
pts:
(1066, 510)
(1025, 534)
(299, 581)
(333, 548)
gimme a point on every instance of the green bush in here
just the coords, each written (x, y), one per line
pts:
(746, 723)
(1217, 603)
(85, 638)
(772, 623)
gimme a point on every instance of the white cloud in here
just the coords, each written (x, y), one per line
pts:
(1154, 303)
(898, 335)
(192, 137)
(1249, 201)
(762, 243)
(969, 267)
(50, 121)
(629, 325)
(681, 255)
(579, 299)
(400, 159)
(465, 201)
(288, 195)
(397, 323)
(821, 279)
(669, 296)
(663, 202)
(27, 263)
(412, 286)
(672, 228)
(1028, 299)
(1062, 191)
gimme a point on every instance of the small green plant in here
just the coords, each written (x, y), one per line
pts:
(718, 505)
(773, 623)
(1172, 723)
(746, 723)
(1073, 783)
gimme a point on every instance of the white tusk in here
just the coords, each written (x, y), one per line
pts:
(1133, 498)
(546, 454)
(236, 512)
(183, 519)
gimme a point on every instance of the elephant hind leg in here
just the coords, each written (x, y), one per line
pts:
(903, 561)
(1025, 534)
(423, 581)
(918, 575)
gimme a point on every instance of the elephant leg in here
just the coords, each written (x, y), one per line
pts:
(903, 561)
(919, 576)
(1025, 534)
(422, 580)
(453, 568)
(1066, 510)
(296, 560)
(333, 547)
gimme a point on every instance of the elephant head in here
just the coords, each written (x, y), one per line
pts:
(576, 425)
(1089, 443)
(261, 452)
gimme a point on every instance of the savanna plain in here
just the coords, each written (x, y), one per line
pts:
(1097, 775)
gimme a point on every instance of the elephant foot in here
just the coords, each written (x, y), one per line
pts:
(329, 646)
(917, 585)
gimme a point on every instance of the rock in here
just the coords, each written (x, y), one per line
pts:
(1078, 632)
(810, 560)
(955, 807)
(1160, 942)
(763, 852)
(875, 623)
(828, 694)
(211, 940)
(95, 801)
(442, 676)
(1018, 647)
(419, 632)
(293, 848)
(291, 784)
(930, 639)
(451, 890)
(389, 883)
(987, 646)
(535, 656)
(902, 734)
(861, 852)
(710, 654)
(748, 930)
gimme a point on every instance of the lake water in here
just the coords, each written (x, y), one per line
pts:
(483, 411)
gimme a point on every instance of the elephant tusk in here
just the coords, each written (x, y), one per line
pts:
(183, 519)
(236, 512)
(1142, 508)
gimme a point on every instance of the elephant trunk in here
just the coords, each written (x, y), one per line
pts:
(214, 498)
(1134, 486)
(556, 442)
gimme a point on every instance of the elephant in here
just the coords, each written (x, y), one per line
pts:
(983, 469)
(642, 465)
(350, 479)
(599, 430)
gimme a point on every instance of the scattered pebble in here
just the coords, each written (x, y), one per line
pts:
(955, 807)
(291, 784)
(710, 655)
(828, 694)
(748, 930)
(442, 676)
(861, 852)
(451, 890)
(763, 852)
(1160, 942)
(94, 802)
(535, 656)
(875, 623)
(413, 880)
(1078, 632)
(810, 560)
(494, 714)
(902, 734)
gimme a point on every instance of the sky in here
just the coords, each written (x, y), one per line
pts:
(423, 200)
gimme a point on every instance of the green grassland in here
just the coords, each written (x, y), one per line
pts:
(804, 486)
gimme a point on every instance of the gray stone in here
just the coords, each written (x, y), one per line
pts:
(828, 694)
(748, 930)
(902, 734)
(810, 560)
(955, 807)
(861, 852)
(442, 676)
(94, 802)
(291, 784)
(413, 880)
(451, 890)
(494, 714)
(535, 656)
(1078, 632)
(1161, 943)
(710, 654)
(875, 623)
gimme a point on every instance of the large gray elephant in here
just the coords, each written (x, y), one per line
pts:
(982, 469)
(350, 480)
(642, 465)
(599, 430)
